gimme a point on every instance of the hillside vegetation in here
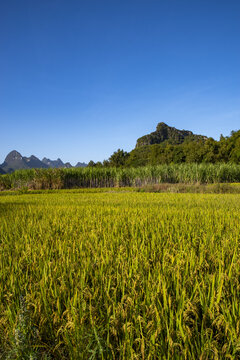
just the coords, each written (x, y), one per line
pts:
(175, 147)
(168, 145)
(165, 133)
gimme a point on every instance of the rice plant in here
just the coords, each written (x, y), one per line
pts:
(114, 275)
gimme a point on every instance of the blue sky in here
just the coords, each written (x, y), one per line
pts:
(81, 78)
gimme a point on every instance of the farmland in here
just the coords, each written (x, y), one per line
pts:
(119, 275)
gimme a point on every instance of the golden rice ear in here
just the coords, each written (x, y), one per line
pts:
(115, 273)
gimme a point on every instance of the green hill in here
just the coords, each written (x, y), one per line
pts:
(168, 134)
(170, 145)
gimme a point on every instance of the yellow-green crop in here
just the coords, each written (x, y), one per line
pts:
(119, 276)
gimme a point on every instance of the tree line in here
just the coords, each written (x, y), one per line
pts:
(208, 150)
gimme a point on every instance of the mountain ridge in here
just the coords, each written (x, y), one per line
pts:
(15, 161)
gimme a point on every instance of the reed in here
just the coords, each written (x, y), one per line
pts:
(93, 177)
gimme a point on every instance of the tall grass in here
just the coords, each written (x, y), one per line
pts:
(114, 177)
(119, 276)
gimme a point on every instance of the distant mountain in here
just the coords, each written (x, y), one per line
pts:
(79, 164)
(15, 161)
(67, 165)
(56, 163)
(34, 163)
(171, 135)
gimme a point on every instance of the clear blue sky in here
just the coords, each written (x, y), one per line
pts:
(81, 78)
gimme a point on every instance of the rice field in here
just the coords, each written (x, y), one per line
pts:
(119, 275)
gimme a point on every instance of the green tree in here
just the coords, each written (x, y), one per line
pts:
(118, 158)
(91, 163)
(105, 163)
